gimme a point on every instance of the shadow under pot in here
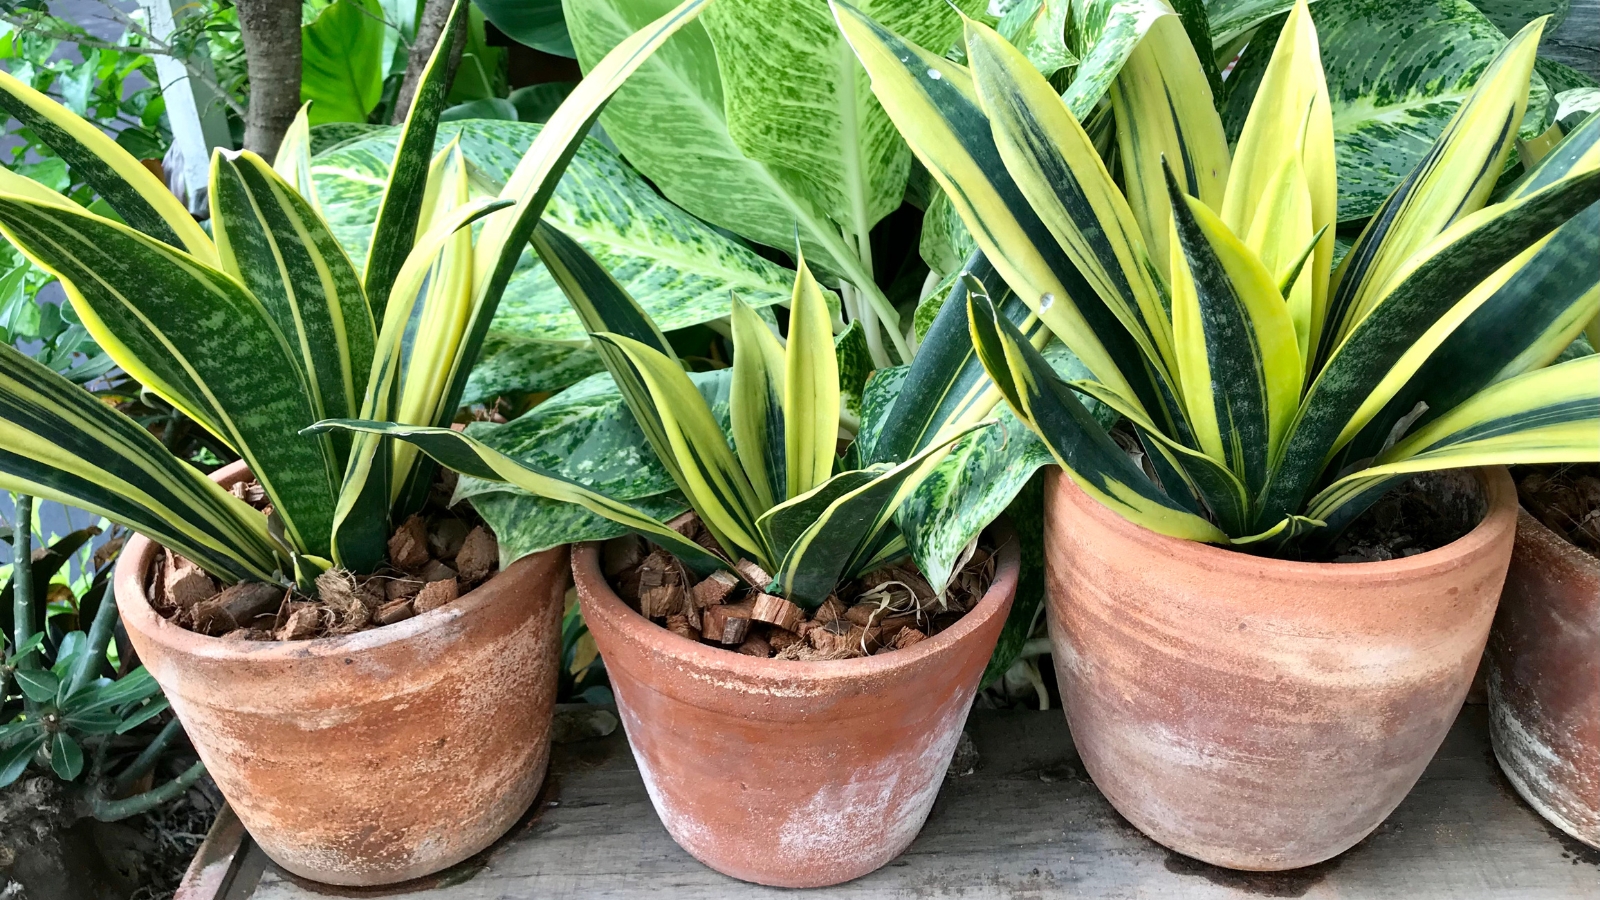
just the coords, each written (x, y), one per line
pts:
(379, 756)
(1256, 713)
(786, 772)
(1544, 679)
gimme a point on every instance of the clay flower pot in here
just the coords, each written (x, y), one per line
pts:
(790, 773)
(1544, 679)
(380, 756)
(1256, 713)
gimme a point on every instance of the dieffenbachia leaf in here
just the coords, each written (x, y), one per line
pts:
(342, 61)
(1103, 33)
(199, 339)
(60, 442)
(468, 456)
(1039, 29)
(677, 100)
(133, 191)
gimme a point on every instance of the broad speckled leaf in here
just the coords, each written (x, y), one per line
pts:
(1510, 15)
(855, 367)
(511, 364)
(679, 269)
(945, 243)
(1039, 29)
(797, 100)
(1576, 105)
(1230, 19)
(1104, 32)
(1397, 71)
(928, 307)
(587, 434)
(978, 479)
(669, 121)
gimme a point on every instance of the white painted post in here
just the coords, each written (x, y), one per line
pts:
(197, 114)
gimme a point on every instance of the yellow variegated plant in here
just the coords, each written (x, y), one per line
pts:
(264, 327)
(1276, 395)
(772, 495)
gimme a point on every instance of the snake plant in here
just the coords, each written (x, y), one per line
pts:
(778, 493)
(263, 327)
(1275, 394)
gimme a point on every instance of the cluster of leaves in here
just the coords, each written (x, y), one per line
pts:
(64, 707)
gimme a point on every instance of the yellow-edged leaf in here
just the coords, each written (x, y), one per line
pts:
(810, 389)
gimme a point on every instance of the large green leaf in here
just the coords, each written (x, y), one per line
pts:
(1397, 70)
(511, 364)
(670, 122)
(680, 270)
(1510, 15)
(1039, 29)
(341, 62)
(797, 100)
(1103, 34)
(536, 23)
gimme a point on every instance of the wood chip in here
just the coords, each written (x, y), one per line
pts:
(829, 645)
(831, 609)
(716, 588)
(304, 623)
(621, 554)
(408, 546)
(183, 584)
(662, 600)
(864, 614)
(777, 611)
(726, 623)
(446, 538)
(249, 634)
(394, 611)
(906, 637)
(681, 626)
(755, 646)
(780, 639)
(753, 575)
(435, 594)
(401, 589)
(479, 556)
(438, 571)
(236, 607)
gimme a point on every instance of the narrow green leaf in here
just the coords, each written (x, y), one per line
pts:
(810, 389)
(142, 715)
(61, 442)
(757, 404)
(468, 456)
(66, 756)
(38, 685)
(123, 182)
(398, 213)
(14, 759)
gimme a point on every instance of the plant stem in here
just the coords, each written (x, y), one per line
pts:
(117, 810)
(84, 668)
(22, 578)
(146, 760)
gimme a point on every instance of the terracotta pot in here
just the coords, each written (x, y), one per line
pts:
(377, 757)
(1256, 713)
(1544, 679)
(788, 773)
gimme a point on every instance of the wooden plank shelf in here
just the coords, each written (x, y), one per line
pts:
(1027, 822)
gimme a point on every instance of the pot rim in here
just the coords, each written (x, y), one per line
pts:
(1500, 496)
(634, 627)
(1570, 554)
(128, 585)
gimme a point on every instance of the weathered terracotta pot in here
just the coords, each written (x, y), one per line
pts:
(378, 757)
(1256, 713)
(1544, 679)
(787, 773)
